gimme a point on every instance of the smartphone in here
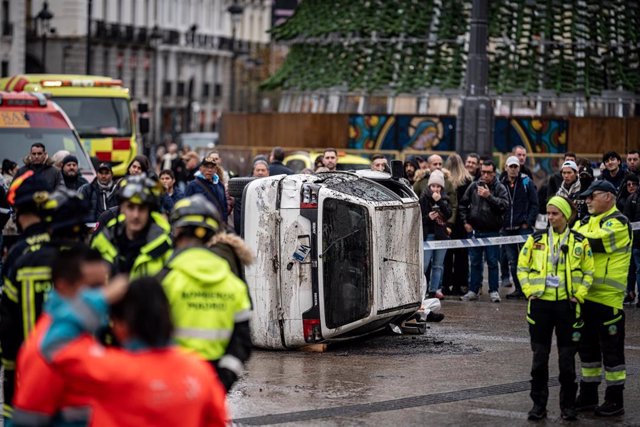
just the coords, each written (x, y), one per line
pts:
(482, 184)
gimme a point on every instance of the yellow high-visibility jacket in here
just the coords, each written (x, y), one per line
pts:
(574, 269)
(610, 237)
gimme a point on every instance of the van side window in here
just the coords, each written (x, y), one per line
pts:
(346, 262)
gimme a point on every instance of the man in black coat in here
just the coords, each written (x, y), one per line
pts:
(73, 179)
(276, 167)
(38, 161)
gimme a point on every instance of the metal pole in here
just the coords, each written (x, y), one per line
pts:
(232, 88)
(88, 55)
(44, 46)
(475, 117)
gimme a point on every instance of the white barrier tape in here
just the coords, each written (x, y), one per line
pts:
(486, 241)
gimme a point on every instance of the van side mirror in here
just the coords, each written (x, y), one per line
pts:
(143, 118)
(397, 170)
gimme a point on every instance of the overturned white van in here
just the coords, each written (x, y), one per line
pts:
(339, 255)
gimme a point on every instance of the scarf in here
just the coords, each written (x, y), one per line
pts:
(571, 192)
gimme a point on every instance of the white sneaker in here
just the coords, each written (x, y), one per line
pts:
(494, 296)
(469, 296)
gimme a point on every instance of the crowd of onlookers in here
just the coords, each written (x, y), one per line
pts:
(476, 198)
(459, 198)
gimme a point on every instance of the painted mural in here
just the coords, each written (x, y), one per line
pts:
(437, 133)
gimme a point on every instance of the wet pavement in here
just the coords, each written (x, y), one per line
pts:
(470, 369)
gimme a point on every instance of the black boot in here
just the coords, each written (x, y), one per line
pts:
(568, 402)
(537, 413)
(587, 397)
(613, 402)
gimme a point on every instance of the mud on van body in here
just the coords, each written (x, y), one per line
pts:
(339, 255)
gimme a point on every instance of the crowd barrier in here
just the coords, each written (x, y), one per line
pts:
(485, 241)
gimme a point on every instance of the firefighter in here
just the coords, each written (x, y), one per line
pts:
(29, 280)
(210, 305)
(555, 268)
(609, 233)
(137, 240)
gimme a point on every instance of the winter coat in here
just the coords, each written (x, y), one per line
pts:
(278, 168)
(215, 193)
(523, 203)
(632, 211)
(438, 226)
(46, 172)
(99, 199)
(484, 214)
(615, 180)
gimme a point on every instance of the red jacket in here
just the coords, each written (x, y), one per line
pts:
(165, 386)
(41, 392)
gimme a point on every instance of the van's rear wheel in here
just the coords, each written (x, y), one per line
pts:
(236, 189)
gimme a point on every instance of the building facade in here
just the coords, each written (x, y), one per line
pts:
(12, 37)
(175, 55)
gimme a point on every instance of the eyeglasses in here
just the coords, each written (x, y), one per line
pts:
(596, 194)
(632, 184)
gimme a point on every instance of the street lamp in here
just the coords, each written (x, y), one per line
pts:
(155, 40)
(44, 16)
(235, 10)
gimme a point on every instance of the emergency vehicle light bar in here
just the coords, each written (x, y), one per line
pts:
(35, 100)
(80, 83)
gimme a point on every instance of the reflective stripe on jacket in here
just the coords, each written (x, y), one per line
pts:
(535, 264)
(207, 300)
(153, 255)
(609, 235)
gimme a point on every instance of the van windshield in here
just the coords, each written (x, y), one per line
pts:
(98, 117)
(15, 144)
(346, 262)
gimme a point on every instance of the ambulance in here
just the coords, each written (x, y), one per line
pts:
(338, 255)
(27, 118)
(99, 107)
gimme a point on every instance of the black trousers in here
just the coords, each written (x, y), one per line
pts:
(602, 343)
(544, 317)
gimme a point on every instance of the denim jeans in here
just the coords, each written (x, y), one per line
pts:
(512, 252)
(477, 264)
(635, 259)
(437, 256)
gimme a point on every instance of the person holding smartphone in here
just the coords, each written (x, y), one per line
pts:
(482, 210)
(436, 210)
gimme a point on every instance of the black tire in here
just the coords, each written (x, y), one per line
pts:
(236, 190)
(236, 186)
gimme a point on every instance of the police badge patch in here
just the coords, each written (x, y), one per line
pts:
(577, 251)
(613, 329)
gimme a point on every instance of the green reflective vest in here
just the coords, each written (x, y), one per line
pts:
(574, 268)
(610, 238)
(206, 300)
(153, 255)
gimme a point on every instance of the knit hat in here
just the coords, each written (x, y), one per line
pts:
(436, 177)
(69, 158)
(570, 164)
(562, 205)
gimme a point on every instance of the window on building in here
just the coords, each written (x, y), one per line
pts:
(105, 61)
(145, 88)
(119, 11)
(134, 6)
(4, 68)
(7, 26)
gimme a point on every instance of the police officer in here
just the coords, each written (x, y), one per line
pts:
(555, 269)
(210, 305)
(136, 240)
(29, 282)
(602, 343)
